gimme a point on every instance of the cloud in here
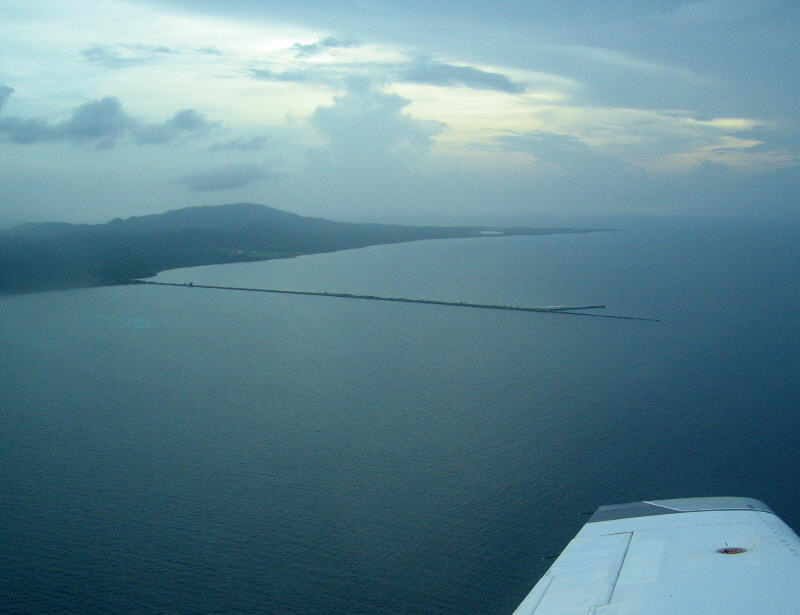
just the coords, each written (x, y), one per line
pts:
(572, 156)
(5, 94)
(624, 61)
(775, 136)
(367, 124)
(183, 122)
(430, 72)
(101, 122)
(96, 120)
(289, 76)
(241, 144)
(123, 56)
(745, 155)
(25, 130)
(422, 71)
(330, 42)
(545, 146)
(225, 178)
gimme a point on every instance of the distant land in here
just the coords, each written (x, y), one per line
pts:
(50, 256)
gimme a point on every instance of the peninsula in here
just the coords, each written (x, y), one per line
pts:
(49, 256)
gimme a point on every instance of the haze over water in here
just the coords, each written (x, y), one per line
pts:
(197, 451)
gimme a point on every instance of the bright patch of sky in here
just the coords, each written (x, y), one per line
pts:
(389, 110)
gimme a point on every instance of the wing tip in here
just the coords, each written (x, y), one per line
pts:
(648, 508)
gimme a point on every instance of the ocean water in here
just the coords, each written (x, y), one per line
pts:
(175, 450)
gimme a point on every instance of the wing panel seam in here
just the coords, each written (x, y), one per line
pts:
(619, 569)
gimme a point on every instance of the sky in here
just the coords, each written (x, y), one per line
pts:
(381, 110)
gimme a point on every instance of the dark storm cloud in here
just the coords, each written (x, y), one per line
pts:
(430, 72)
(330, 42)
(225, 178)
(241, 144)
(122, 56)
(101, 122)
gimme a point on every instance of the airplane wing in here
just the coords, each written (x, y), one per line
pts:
(694, 555)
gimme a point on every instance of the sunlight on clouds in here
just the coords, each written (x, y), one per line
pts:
(610, 127)
(661, 141)
(219, 81)
(734, 143)
(280, 101)
(464, 110)
(731, 152)
(475, 115)
(357, 54)
(114, 52)
(626, 61)
(727, 123)
(231, 37)
(203, 63)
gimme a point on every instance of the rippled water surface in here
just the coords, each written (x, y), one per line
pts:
(198, 451)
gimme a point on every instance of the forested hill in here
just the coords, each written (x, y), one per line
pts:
(59, 255)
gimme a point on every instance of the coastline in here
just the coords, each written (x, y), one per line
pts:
(40, 260)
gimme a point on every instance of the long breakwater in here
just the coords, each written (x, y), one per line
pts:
(564, 310)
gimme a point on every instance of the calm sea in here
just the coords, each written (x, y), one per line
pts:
(175, 450)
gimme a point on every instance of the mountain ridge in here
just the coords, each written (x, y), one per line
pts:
(56, 255)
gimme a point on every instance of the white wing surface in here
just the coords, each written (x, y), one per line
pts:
(695, 555)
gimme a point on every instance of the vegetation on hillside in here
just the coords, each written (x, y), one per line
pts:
(59, 255)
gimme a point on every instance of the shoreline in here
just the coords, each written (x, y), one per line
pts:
(84, 259)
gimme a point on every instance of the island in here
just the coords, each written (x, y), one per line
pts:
(51, 256)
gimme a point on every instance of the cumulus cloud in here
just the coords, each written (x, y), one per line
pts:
(330, 42)
(183, 122)
(429, 72)
(225, 178)
(101, 122)
(122, 56)
(98, 121)
(5, 94)
(367, 124)
(241, 144)
(20, 130)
